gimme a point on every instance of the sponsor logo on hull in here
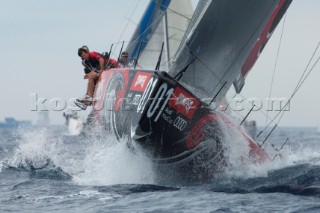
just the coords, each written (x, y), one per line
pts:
(183, 102)
(180, 123)
(136, 99)
(140, 81)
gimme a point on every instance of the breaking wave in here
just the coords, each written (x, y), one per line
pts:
(85, 161)
(47, 154)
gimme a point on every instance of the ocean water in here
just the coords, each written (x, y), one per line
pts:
(47, 170)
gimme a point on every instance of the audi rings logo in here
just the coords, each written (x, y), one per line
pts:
(180, 123)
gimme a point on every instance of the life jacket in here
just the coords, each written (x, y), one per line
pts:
(111, 62)
(105, 55)
(93, 61)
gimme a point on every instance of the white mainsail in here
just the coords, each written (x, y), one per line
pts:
(168, 25)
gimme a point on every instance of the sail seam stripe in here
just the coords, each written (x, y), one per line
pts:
(129, 20)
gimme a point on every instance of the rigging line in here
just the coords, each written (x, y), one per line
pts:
(129, 20)
(236, 111)
(271, 122)
(294, 92)
(155, 21)
(298, 87)
(278, 150)
(245, 118)
(268, 135)
(258, 110)
(276, 63)
(231, 100)
(301, 81)
(315, 51)
(306, 76)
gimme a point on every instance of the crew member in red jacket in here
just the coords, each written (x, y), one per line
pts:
(94, 64)
(111, 62)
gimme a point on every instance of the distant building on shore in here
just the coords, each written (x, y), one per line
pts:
(43, 118)
(13, 123)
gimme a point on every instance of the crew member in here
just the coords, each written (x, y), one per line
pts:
(111, 62)
(94, 64)
(124, 59)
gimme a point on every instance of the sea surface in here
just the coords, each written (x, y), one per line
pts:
(47, 170)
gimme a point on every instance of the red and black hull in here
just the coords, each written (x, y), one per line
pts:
(180, 133)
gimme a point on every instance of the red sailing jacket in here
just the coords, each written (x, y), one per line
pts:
(93, 60)
(113, 63)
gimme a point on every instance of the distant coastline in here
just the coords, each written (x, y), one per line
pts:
(10, 122)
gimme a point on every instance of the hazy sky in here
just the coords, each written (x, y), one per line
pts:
(39, 41)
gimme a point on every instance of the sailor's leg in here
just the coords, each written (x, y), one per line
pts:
(91, 83)
(90, 88)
